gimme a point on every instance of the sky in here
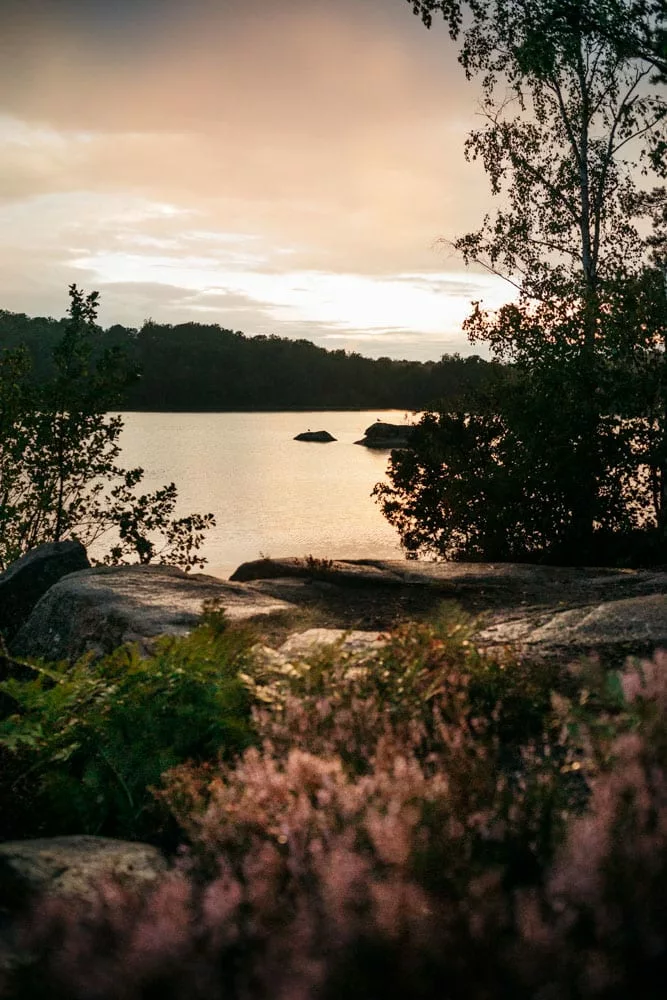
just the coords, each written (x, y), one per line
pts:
(292, 167)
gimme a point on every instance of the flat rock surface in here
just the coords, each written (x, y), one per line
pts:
(339, 571)
(544, 609)
(99, 609)
(517, 581)
(630, 625)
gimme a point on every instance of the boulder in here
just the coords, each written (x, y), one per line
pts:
(304, 644)
(273, 667)
(68, 869)
(385, 435)
(26, 580)
(70, 866)
(99, 609)
(323, 436)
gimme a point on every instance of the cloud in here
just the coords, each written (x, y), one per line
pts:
(303, 137)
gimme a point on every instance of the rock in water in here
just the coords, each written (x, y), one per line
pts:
(315, 436)
(28, 579)
(384, 435)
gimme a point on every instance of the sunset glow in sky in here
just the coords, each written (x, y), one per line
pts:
(274, 166)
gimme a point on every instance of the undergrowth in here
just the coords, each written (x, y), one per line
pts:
(418, 821)
(88, 741)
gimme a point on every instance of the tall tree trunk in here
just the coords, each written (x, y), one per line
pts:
(662, 469)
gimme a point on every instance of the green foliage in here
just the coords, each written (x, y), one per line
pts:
(88, 741)
(573, 441)
(470, 487)
(59, 448)
(505, 484)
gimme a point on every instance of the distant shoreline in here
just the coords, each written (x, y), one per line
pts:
(277, 409)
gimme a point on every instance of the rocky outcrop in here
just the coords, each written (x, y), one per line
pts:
(507, 584)
(99, 609)
(543, 610)
(27, 579)
(539, 610)
(322, 436)
(343, 572)
(385, 435)
(612, 629)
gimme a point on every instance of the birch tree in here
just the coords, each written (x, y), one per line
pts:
(572, 136)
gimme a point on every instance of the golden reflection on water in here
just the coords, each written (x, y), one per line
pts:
(271, 495)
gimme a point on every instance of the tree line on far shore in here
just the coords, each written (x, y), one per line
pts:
(197, 366)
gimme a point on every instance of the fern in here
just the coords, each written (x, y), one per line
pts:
(89, 740)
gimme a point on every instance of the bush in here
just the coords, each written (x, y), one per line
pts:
(89, 740)
(59, 448)
(425, 676)
(379, 850)
(461, 736)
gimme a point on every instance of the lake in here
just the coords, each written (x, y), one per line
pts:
(271, 495)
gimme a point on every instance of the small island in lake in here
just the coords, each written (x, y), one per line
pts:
(315, 436)
(385, 435)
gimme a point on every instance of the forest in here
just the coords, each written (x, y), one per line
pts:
(203, 367)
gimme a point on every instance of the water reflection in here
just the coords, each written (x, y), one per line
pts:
(270, 494)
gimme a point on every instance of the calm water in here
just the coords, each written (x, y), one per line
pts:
(270, 494)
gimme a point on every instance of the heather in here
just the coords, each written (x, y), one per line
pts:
(420, 821)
